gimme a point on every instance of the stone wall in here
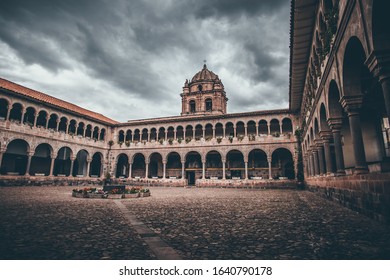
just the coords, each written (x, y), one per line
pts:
(368, 194)
(242, 183)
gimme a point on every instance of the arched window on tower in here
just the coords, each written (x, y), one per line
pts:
(200, 87)
(192, 106)
(209, 105)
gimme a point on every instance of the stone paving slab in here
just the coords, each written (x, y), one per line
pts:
(48, 223)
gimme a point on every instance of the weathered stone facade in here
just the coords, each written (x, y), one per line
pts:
(43, 142)
(342, 98)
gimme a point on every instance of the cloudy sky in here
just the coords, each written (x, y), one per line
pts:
(129, 59)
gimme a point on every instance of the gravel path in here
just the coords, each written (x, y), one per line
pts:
(48, 223)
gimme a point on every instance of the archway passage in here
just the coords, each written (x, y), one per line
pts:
(155, 166)
(41, 161)
(193, 167)
(282, 164)
(15, 158)
(62, 164)
(235, 165)
(138, 168)
(173, 168)
(3, 108)
(258, 164)
(80, 167)
(96, 165)
(122, 166)
(214, 165)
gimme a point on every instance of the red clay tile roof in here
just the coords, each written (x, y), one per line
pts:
(44, 98)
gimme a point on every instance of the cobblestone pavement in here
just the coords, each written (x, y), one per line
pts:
(47, 223)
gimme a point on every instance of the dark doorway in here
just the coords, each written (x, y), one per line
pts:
(191, 178)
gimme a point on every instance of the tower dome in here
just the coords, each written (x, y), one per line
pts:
(204, 75)
(204, 94)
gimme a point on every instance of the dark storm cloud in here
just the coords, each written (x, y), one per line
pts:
(146, 49)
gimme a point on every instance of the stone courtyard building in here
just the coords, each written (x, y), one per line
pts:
(339, 106)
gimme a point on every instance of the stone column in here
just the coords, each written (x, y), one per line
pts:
(326, 136)
(148, 136)
(184, 134)
(174, 135)
(67, 126)
(269, 167)
(164, 169)
(320, 150)
(47, 122)
(352, 105)
(234, 131)
(132, 137)
(204, 133)
(72, 159)
(23, 114)
(183, 164)
(224, 132)
(257, 129)
(1, 157)
(29, 156)
(311, 158)
(146, 170)
(246, 170)
(88, 166)
(36, 118)
(246, 130)
(9, 107)
(335, 125)
(166, 135)
(203, 170)
(193, 132)
(130, 169)
(53, 158)
(269, 128)
(316, 164)
(224, 170)
(213, 132)
(58, 124)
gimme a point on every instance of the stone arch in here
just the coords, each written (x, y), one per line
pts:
(258, 164)
(323, 118)
(52, 122)
(208, 131)
(62, 163)
(41, 160)
(251, 127)
(144, 136)
(235, 164)
(80, 164)
(96, 165)
(161, 133)
(63, 124)
(171, 133)
(95, 133)
(155, 165)
(283, 163)
(229, 129)
(287, 126)
(16, 112)
(219, 132)
(138, 167)
(121, 136)
(214, 167)
(275, 127)
(153, 134)
(193, 166)
(189, 132)
(122, 166)
(72, 127)
(198, 131)
(102, 134)
(240, 129)
(129, 135)
(80, 129)
(137, 135)
(364, 103)
(174, 165)
(4, 103)
(42, 118)
(263, 127)
(29, 116)
(15, 158)
(179, 132)
(88, 131)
